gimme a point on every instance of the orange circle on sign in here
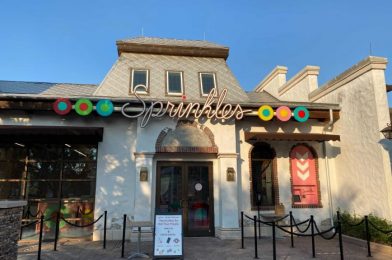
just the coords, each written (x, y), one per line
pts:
(283, 113)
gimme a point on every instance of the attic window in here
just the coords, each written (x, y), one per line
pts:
(207, 83)
(140, 77)
(174, 83)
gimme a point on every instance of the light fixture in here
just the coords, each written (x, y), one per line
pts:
(230, 174)
(143, 174)
(387, 131)
(18, 144)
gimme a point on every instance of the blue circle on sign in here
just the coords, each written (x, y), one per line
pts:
(104, 107)
(62, 106)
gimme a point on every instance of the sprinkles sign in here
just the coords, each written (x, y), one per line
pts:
(213, 108)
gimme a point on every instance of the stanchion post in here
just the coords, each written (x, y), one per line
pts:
(56, 234)
(104, 229)
(242, 229)
(41, 226)
(123, 235)
(312, 230)
(367, 236)
(273, 240)
(340, 237)
(255, 235)
(291, 229)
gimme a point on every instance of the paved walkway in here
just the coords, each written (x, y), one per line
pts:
(203, 248)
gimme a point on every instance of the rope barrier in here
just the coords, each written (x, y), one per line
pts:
(30, 224)
(305, 230)
(321, 233)
(382, 231)
(81, 226)
(352, 225)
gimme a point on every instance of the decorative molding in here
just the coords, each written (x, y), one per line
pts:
(228, 155)
(143, 154)
(186, 149)
(272, 75)
(371, 62)
(307, 71)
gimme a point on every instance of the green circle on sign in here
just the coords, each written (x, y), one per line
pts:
(83, 107)
(266, 112)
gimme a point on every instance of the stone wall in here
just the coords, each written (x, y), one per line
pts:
(10, 220)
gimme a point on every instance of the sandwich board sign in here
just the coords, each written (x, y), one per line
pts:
(168, 236)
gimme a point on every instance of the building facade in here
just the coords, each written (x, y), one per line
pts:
(170, 129)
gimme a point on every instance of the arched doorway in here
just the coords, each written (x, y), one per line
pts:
(186, 186)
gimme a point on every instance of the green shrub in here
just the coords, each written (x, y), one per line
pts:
(349, 220)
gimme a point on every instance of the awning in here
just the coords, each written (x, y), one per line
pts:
(50, 134)
(254, 136)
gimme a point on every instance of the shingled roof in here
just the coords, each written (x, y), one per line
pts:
(46, 88)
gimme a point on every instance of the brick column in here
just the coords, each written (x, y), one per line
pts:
(10, 220)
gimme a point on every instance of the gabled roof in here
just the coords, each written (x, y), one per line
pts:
(46, 88)
(195, 48)
(261, 97)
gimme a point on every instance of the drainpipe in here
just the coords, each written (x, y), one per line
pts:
(328, 126)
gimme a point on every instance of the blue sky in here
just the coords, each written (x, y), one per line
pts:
(74, 41)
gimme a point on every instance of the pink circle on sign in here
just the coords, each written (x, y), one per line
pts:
(198, 186)
(283, 113)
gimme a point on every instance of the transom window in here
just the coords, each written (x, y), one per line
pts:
(140, 77)
(207, 83)
(174, 82)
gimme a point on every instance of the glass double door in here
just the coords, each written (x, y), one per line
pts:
(187, 187)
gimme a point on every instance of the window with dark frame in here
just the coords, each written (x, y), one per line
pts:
(174, 82)
(49, 176)
(207, 82)
(263, 175)
(140, 77)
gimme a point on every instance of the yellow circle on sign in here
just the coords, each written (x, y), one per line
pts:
(266, 113)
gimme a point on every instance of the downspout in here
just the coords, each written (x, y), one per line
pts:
(328, 126)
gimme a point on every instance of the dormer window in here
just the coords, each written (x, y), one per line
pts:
(207, 83)
(174, 82)
(139, 77)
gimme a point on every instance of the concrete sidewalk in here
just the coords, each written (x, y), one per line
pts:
(205, 248)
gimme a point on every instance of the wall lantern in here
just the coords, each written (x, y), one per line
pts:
(143, 174)
(230, 173)
(387, 131)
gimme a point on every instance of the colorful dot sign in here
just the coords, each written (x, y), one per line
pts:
(62, 106)
(283, 113)
(83, 107)
(266, 113)
(301, 114)
(104, 107)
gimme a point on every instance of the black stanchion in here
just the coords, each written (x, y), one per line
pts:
(104, 229)
(291, 229)
(255, 235)
(41, 226)
(56, 235)
(123, 235)
(340, 238)
(242, 229)
(312, 230)
(273, 241)
(367, 236)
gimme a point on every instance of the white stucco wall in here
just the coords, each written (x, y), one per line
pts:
(362, 173)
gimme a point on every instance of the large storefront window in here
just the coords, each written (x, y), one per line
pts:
(50, 177)
(264, 179)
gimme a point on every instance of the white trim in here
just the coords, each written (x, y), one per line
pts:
(147, 79)
(201, 83)
(167, 83)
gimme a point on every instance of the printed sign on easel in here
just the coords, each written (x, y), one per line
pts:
(168, 237)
